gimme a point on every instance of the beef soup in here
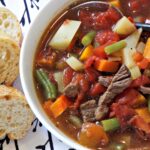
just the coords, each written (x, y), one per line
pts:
(92, 74)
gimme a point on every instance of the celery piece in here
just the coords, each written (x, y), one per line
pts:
(88, 38)
(76, 121)
(115, 47)
(135, 72)
(58, 76)
(75, 64)
(110, 124)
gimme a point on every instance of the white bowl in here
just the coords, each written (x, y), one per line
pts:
(37, 28)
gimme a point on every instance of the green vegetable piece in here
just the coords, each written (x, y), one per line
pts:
(49, 88)
(115, 47)
(75, 121)
(110, 124)
(88, 38)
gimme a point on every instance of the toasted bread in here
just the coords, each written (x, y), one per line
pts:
(9, 59)
(10, 25)
(15, 115)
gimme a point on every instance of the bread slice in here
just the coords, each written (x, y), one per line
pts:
(9, 59)
(15, 114)
(10, 25)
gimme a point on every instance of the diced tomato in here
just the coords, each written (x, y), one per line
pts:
(104, 36)
(143, 64)
(67, 76)
(123, 113)
(90, 61)
(131, 19)
(99, 20)
(139, 123)
(92, 74)
(143, 80)
(97, 89)
(134, 5)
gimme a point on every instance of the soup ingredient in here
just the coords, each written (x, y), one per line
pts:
(49, 87)
(115, 47)
(87, 52)
(87, 110)
(74, 63)
(92, 135)
(119, 83)
(144, 89)
(106, 65)
(124, 26)
(140, 47)
(65, 34)
(132, 41)
(58, 76)
(110, 124)
(76, 121)
(147, 50)
(144, 113)
(16, 115)
(147, 72)
(59, 106)
(88, 38)
(105, 80)
(115, 3)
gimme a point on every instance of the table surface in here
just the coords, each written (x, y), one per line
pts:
(38, 137)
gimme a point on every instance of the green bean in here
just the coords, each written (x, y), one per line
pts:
(88, 38)
(110, 124)
(50, 88)
(115, 47)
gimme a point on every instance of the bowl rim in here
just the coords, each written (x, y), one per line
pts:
(62, 136)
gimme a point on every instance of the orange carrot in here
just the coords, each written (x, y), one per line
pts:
(143, 64)
(47, 105)
(59, 106)
(92, 135)
(144, 113)
(137, 56)
(147, 50)
(106, 65)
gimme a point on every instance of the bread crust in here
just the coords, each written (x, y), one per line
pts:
(16, 115)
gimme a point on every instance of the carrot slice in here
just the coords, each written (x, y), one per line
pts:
(59, 106)
(107, 66)
(147, 50)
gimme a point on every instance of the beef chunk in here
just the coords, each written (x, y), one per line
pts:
(144, 89)
(105, 81)
(87, 110)
(71, 90)
(119, 83)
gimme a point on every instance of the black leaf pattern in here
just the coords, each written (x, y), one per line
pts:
(50, 141)
(36, 123)
(16, 144)
(3, 2)
(34, 3)
(2, 141)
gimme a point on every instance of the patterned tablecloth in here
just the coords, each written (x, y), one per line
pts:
(38, 137)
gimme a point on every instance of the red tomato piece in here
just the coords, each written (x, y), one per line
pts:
(92, 74)
(135, 5)
(97, 89)
(68, 75)
(143, 80)
(104, 36)
(90, 61)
